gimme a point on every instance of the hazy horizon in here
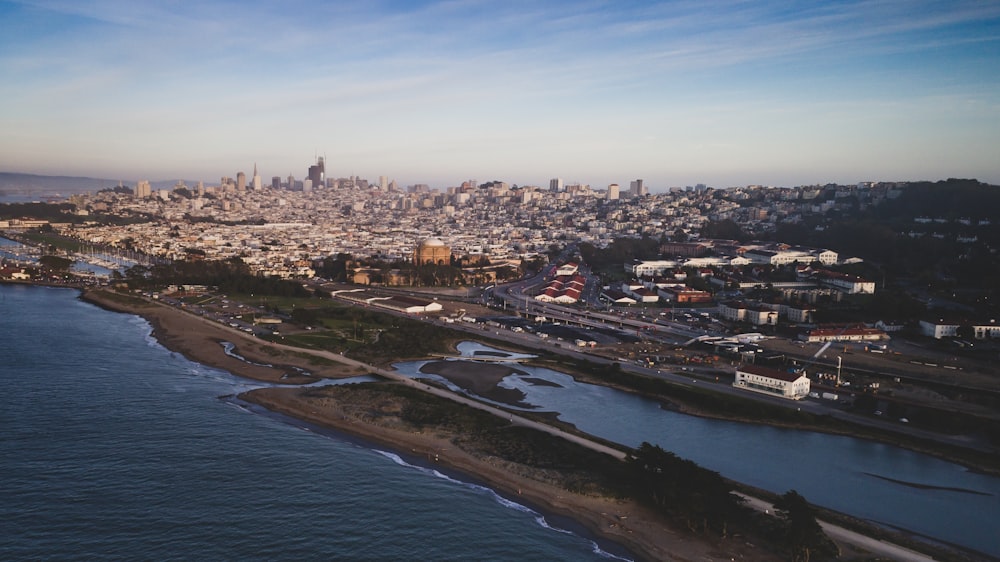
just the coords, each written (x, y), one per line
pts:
(438, 92)
(161, 183)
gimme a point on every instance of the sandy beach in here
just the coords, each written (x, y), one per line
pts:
(641, 532)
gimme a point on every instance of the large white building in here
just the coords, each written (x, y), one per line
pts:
(794, 386)
(784, 257)
(850, 284)
(647, 268)
(738, 311)
(938, 329)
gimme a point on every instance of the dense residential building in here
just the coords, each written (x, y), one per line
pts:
(503, 223)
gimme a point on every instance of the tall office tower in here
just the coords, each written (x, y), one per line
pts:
(291, 182)
(276, 182)
(317, 173)
(258, 184)
(393, 186)
(637, 188)
(555, 184)
(199, 188)
(143, 189)
(383, 183)
(613, 192)
(241, 181)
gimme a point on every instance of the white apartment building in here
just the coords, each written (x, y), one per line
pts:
(794, 386)
(850, 284)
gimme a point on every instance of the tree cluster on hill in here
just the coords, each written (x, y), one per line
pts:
(55, 212)
(957, 249)
(949, 199)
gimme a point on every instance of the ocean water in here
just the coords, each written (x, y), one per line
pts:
(112, 447)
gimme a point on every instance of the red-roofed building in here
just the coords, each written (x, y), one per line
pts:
(682, 295)
(565, 289)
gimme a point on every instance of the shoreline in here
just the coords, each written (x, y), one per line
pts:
(647, 536)
(624, 524)
(629, 526)
(558, 521)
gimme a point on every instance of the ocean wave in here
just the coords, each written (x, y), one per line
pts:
(228, 347)
(147, 329)
(505, 502)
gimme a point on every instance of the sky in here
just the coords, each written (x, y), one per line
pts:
(723, 93)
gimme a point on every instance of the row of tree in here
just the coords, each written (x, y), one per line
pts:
(706, 503)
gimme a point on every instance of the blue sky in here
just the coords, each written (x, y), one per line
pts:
(724, 93)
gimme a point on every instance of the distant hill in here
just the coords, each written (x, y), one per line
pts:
(16, 185)
(45, 186)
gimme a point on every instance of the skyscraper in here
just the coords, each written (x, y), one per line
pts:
(555, 184)
(143, 189)
(637, 188)
(317, 173)
(241, 181)
(257, 183)
(613, 192)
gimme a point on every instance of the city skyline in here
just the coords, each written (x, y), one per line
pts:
(676, 93)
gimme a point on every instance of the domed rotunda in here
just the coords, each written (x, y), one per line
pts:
(432, 251)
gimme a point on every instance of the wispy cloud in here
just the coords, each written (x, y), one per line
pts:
(557, 77)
